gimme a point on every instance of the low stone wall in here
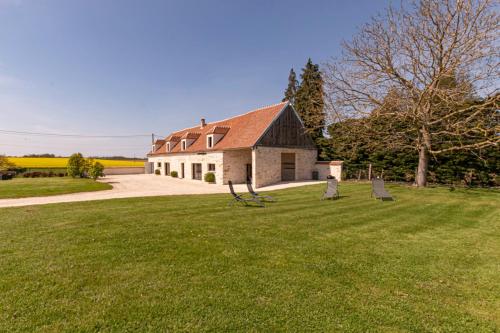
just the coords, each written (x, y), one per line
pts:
(329, 168)
(124, 171)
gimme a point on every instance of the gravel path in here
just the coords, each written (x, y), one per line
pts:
(128, 186)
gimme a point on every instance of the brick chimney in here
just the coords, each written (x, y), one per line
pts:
(203, 123)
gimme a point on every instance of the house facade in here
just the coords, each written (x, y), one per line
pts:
(268, 145)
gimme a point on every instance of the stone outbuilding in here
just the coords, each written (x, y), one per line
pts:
(268, 145)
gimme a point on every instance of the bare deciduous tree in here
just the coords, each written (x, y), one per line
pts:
(433, 66)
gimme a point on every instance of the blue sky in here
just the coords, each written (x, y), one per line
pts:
(136, 67)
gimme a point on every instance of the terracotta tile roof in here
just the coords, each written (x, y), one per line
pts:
(191, 135)
(173, 138)
(162, 149)
(219, 130)
(160, 141)
(241, 131)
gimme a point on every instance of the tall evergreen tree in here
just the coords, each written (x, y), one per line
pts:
(309, 101)
(291, 90)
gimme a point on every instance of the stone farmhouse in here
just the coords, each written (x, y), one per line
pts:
(268, 145)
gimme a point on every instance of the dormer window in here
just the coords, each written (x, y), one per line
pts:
(168, 147)
(215, 135)
(188, 139)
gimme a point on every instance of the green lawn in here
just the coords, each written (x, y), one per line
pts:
(37, 187)
(428, 262)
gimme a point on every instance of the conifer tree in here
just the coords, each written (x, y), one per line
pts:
(309, 101)
(291, 90)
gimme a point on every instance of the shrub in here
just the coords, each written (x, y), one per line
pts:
(5, 164)
(27, 174)
(77, 166)
(157, 172)
(210, 177)
(6, 176)
(96, 170)
(36, 174)
(174, 174)
(60, 174)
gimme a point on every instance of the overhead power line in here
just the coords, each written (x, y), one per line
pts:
(73, 135)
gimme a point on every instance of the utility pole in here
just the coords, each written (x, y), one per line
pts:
(370, 171)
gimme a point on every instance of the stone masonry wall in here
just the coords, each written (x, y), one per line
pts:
(188, 159)
(326, 169)
(235, 162)
(267, 164)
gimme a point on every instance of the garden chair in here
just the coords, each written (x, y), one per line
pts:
(332, 190)
(257, 195)
(241, 199)
(378, 190)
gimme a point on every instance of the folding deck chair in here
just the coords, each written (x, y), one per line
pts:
(241, 199)
(257, 195)
(332, 190)
(378, 190)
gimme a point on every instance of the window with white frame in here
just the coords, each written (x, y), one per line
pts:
(183, 144)
(211, 167)
(158, 164)
(210, 141)
(168, 147)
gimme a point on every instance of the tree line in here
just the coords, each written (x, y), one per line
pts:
(414, 94)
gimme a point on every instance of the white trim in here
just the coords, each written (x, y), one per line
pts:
(210, 139)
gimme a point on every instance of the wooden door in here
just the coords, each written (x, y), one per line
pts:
(287, 166)
(196, 171)
(249, 172)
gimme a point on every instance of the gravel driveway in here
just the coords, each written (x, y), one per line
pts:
(128, 186)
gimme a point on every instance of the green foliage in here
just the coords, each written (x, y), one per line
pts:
(77, 166)
(5, 164)
(96, 170)
(291, 90)
(359, 145)
(174, 174)
(309, 101)
(157, 172)
(210, 177)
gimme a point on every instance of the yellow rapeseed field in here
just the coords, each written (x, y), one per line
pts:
(61, 162)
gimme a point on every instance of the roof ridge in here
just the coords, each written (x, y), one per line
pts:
(251, 111)
(218, 121)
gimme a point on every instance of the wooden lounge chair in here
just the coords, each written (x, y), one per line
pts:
(241, 199)
(378, 190)
(332, 190)
(257, 195)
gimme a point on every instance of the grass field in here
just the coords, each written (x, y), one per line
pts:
(428, 262)
(37, 187)
(61, 162)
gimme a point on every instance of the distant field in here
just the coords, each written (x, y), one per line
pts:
(61, 162)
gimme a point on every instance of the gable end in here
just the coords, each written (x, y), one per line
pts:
(286, 130)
